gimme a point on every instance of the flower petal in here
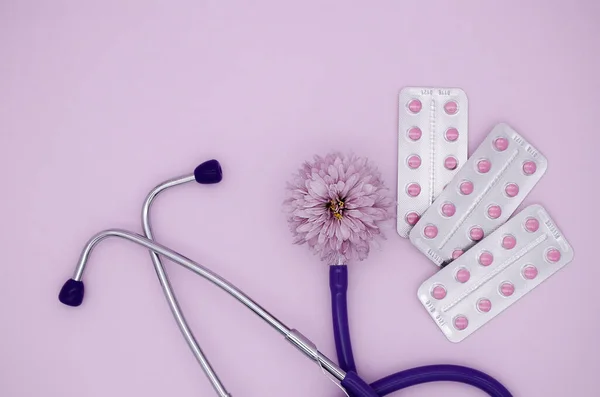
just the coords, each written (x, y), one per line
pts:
(344, 230)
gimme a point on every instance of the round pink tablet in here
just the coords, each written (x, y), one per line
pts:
(450, 163)
(501, 144)
(507, 289)
(451, 107)
(414, 133)
(529, 167)
(430, 231)
(414, 189)
(451, 134)
(414, 106)
(553, 255)
(484, 305)
(509, 242)
(532, 225)
(484, 166)
(466, 187)
(448, 209)
(530, 272)
(494, 211)
(476, 233)
(486, 258)
(461, 322)
(463, 275)
(512, 189)
(457, 253)
(438, 292)
(412, 218)
(414, 161)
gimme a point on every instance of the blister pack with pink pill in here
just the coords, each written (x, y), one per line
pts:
(481, 196)
(495, 273)
(432, 146)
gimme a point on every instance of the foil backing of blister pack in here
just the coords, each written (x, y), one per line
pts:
(481, 196)
(432, 146)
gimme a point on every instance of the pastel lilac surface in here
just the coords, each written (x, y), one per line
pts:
(103, 100)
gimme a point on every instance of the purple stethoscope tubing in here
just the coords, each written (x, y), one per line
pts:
(338, 285)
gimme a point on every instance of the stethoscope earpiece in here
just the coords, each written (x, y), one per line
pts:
(71, 293)
(208, 172)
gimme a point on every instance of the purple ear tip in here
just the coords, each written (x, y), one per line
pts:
(71, 293)
(208, 172)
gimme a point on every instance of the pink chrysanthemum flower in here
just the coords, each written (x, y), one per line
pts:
(335, 205)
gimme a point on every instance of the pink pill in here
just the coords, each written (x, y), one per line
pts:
(484, 166)
(414, 161)
(451, 107)
(509, 242)
(484, 305)
(448, 209)
(438, 292)
(530, 272)
(461, 322)
(476, 233)
(512, 189)
(532, 225)
(466, 188)
(529, 167)
(412, 218)
(507, 289)
(414, 133)
(430, 231)
(414, 106)
(414, 189)
(486, 258)
(451, 134)
(450, 163)
(501, 144)
(463, 275)
(457, 253)
(553, 255)
(494, 211)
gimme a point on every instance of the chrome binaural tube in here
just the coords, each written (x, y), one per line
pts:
(291, 335)
(168, 290)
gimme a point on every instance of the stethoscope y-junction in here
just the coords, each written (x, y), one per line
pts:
(210, 172)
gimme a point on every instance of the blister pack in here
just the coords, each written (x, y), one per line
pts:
(432, 146)
(495, 273)
(481, 196)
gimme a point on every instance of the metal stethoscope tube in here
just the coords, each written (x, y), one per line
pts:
(168, 290)
(291, 334)
(74, 287)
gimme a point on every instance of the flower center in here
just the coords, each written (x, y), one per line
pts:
(336, 206)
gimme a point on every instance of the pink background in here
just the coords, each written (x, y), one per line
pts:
(102, 101)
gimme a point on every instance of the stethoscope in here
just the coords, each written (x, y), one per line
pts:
(345, 374)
